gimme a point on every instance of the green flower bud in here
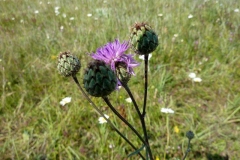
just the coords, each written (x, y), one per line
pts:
(143, 39)
(122, 73)
(190, 135)
(99, 80)
(68, 65)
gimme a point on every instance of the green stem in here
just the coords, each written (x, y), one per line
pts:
(188, 149)
(168, 135)
(146, 83)
(101, 113)
(141, 116)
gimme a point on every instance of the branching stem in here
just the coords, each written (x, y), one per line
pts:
(101, 113)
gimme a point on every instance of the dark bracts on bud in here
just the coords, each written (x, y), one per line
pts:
(99, 80)
(143, 39)
(68, 65)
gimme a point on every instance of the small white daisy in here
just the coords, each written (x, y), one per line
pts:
(167, 110)
(190, 16)
(71, 19)
(36, 12)
(64, 15)
(66, 100)
(160, 14)
(56, 8)
(175, 35)
(89, 14)
(101, 120)
(192, 75)
(236, 10)
(197, 79)
(111, 146)
(129, 100)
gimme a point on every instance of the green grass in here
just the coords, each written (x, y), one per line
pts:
(35, 126)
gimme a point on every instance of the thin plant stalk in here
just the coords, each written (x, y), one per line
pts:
(145, 83)
(188, 149)
(123, 119)
(141, 116)
(168, 135)
(145, 101)
(101, 113)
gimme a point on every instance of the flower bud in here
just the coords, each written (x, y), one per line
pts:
(122, 73)
(99, 80)
(68, 65)
(143, 39)
(190, 135)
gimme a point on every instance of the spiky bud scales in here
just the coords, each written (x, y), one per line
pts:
(99, 80)
(68, 64)
(143, 39)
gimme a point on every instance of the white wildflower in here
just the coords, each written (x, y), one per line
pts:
(111, 146)
(64, 15)
(236, 10)
(167, 110)
(101, 120)
(197, 79)
(192, 75)
(190, 16)
(129, 100)
(66, 100)
(175, 35)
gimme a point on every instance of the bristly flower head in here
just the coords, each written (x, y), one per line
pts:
(113, 54)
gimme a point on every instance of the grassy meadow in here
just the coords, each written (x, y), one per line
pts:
(195, 36)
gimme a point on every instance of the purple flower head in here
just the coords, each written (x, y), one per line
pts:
(113, 53)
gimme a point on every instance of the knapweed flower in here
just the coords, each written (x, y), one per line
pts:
(99, 80)
(66, 100)
(101, 120)
(113, 54)
(167, 110)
